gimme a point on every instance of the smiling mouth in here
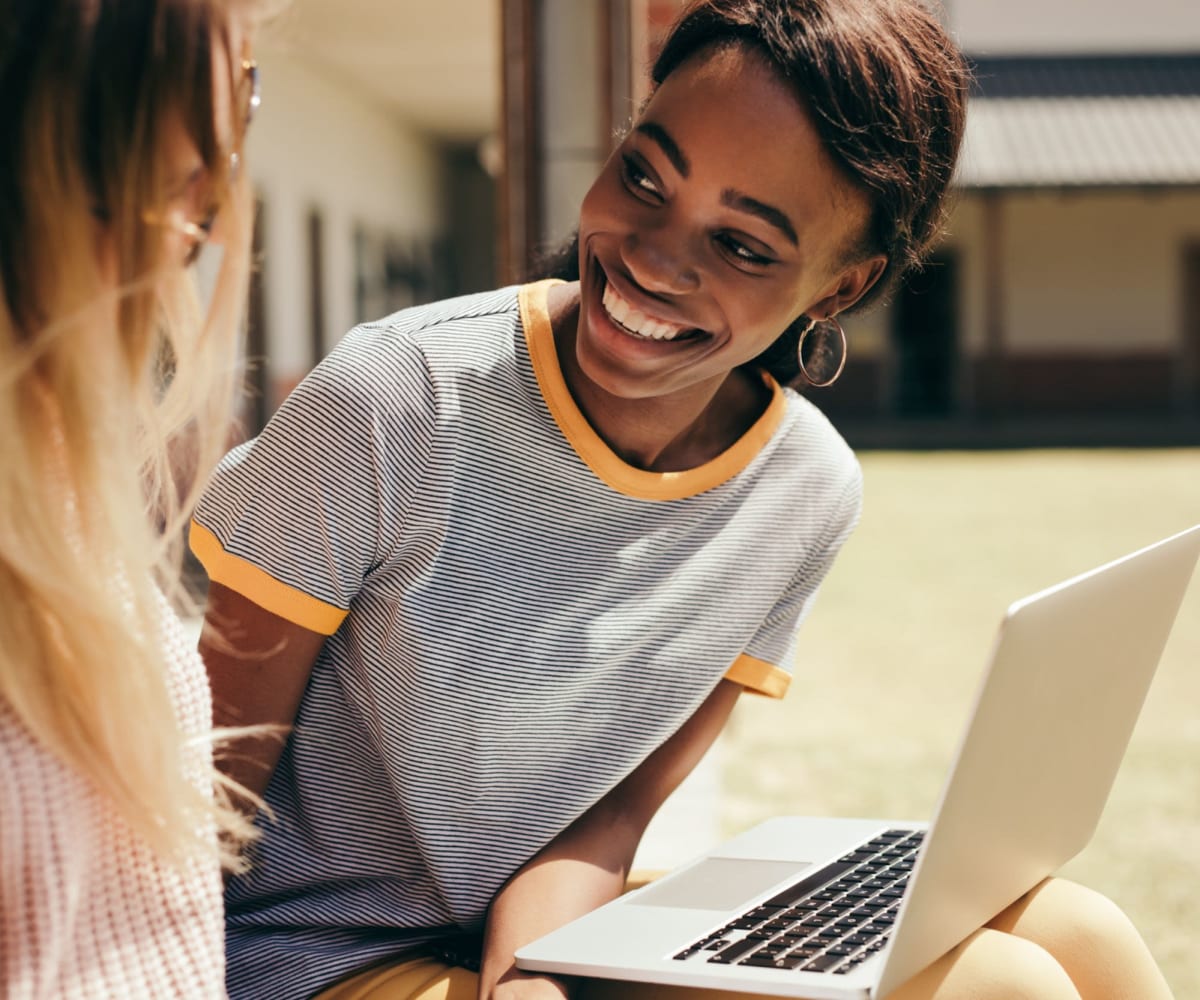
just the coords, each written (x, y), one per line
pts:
(631, 320)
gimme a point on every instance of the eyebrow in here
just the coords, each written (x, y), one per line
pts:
(672, 152)
(729, 197)
(768, 213)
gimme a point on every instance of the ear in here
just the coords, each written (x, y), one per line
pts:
(849, 286)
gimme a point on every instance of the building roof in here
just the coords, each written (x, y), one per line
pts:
(1083, 121)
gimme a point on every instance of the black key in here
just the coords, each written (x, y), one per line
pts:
(716, 944)
(760, 914)
(806, 885)
(859, 855)
(687, 953)
(734, 952)
(822, 963)
(767, 962)
(858, 940)
(829, 933)
(761, 934)
(794, 938)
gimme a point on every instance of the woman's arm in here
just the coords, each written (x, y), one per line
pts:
(258, 666)
(587, 864)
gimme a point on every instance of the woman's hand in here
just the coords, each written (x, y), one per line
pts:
(517, 985)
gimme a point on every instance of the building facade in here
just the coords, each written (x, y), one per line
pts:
(408, 151)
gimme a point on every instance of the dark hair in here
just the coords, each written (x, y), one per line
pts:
(887, 90)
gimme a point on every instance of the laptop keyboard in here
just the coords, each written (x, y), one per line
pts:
(827, 922)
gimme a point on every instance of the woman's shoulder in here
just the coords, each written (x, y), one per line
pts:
(809, 436)
(425, 343)
(483, 312)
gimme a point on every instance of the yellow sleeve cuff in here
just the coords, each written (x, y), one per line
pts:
(258, 586)
(759, 677)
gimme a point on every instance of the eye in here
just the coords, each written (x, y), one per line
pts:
(737, 251)
(638, 181)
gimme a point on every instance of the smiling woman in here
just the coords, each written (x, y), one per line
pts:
(508, 561)
(694, 257)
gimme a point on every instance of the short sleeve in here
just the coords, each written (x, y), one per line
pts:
(765, 665)
(296, 519)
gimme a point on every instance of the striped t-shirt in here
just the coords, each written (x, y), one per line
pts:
(517, 618)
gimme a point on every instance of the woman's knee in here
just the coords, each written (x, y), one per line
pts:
(1090, 937)
(1071, 922)
(990, 965)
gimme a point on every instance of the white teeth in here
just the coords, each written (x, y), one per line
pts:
(636, 322)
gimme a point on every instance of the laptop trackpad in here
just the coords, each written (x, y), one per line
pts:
(718, 883)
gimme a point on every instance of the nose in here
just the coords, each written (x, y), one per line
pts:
(660, 262)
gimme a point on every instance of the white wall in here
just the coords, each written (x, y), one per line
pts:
(1094, 271)
(1100, 272)
(318, 142)
(1053, 26)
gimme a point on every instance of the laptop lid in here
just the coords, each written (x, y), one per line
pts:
(1052, 719)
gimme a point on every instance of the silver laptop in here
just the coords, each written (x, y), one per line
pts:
(837, 908)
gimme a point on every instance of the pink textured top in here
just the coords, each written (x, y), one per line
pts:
(87, 910)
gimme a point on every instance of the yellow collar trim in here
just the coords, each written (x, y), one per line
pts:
(596, 454)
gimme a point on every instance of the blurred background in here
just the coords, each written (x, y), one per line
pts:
(409, 151)
(1026, 408)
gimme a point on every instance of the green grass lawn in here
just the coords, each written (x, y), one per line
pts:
(892, 654)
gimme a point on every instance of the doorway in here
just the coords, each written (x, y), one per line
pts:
(1188, 380)
(925, 340)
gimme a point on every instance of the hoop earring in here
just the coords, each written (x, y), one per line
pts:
(812, 325)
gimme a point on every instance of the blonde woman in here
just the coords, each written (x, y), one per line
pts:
(120, 135)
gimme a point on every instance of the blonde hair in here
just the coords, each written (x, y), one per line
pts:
(116, 392)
